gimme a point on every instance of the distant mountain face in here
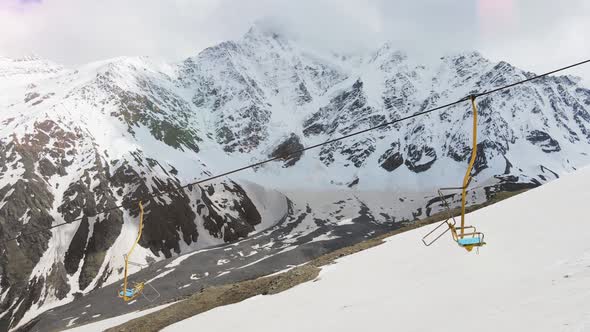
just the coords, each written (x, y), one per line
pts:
(75, 142)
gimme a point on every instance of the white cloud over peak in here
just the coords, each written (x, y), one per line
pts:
(533, 34)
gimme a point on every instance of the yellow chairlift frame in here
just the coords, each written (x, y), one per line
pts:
(472, 238)
(129, 294)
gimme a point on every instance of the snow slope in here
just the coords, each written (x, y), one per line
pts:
(534, 275)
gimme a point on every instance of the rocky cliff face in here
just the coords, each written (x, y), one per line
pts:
(76, 142)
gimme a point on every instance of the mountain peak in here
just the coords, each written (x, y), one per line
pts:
(29, 64)
(268, 28)
(389, 51)
(29, 57)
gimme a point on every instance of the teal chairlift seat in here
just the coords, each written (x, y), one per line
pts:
(470, 241)
(130, 292)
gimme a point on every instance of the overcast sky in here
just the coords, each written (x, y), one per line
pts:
(533, 34)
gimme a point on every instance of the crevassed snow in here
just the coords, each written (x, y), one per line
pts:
(533, 275)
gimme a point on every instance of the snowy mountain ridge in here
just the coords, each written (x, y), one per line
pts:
(74, 142)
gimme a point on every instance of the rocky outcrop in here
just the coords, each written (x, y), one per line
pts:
(544, 141)
(392, 158)
(289, 147)
(420, 159)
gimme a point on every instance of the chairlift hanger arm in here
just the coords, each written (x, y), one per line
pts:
(467, 177)
(129, 294)
(466, 236)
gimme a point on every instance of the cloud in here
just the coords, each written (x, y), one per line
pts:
(544, 35)
(78, 31)
(339, 25)
(17, 5)
(534, 34)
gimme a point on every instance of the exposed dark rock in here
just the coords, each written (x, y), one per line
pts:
(459, 151)
(393, 162)
(510, 184)
(315, 129)
(58, 281)
(248, 128)
(349, 109)
(25, 210)
(508, 166)
(353, 183)
(165, 226)
(31, 95)
(151, 110)
(287, 148)
(327, 152)
(77, 247)
(31, 295)
(104, 235)
(89, 195)
(359, 152)
(399, 89)
(248, 217)
(46, 168)
(544, 141)
(417, 213)
(555, 175)
(392, 158)
(486, 151)
(304, 96)
(420, 159)
(481, 159)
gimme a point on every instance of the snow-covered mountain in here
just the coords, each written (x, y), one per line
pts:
(77, 141)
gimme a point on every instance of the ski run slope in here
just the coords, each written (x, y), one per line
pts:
(534, 275)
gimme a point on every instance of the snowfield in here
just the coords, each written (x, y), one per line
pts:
(534, 275)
